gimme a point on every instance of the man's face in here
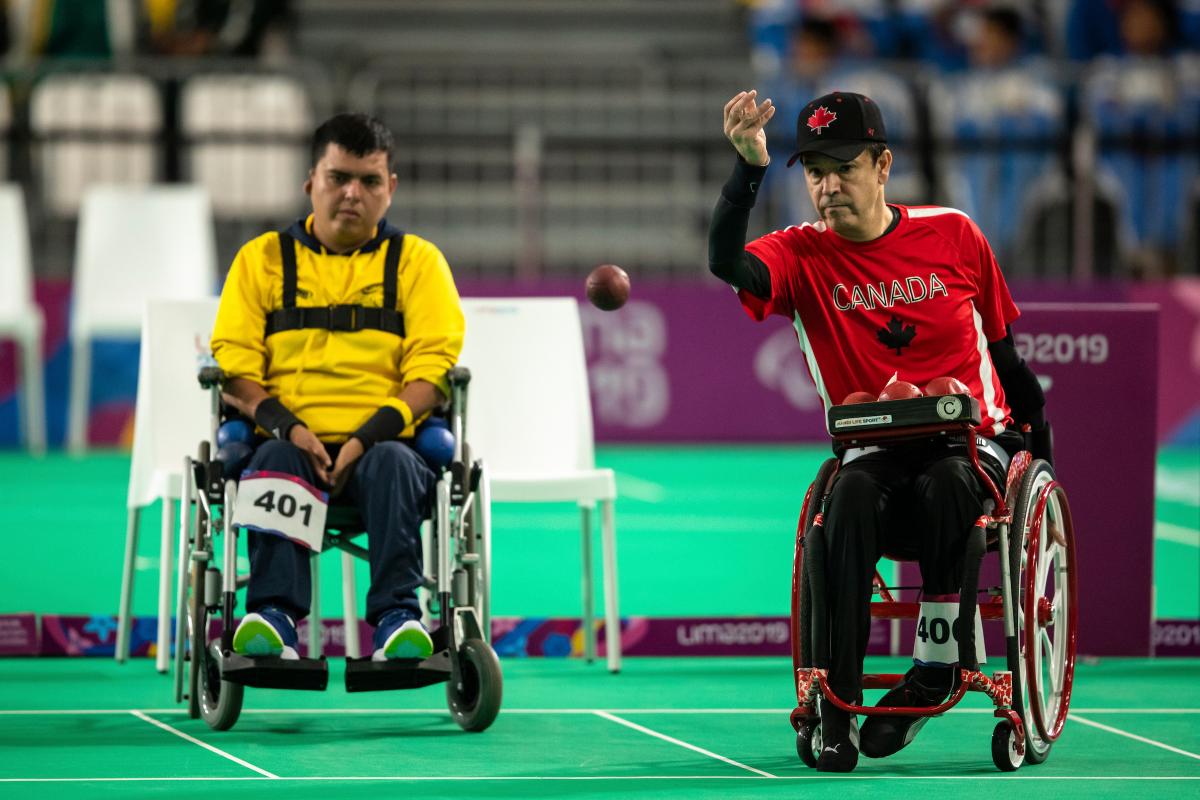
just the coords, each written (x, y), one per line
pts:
(846, 193)
(350, 194)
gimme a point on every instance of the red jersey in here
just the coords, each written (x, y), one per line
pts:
(919, 302)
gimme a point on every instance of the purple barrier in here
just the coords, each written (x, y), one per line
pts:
(19, 635)
(1098, 365)
(682, 362)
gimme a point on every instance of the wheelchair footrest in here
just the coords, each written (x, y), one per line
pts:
(268, 672)
(365, 675)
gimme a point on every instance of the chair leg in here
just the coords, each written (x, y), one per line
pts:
(80, 391)
(587, 621)
(350, 607)
(123, 608)
(33, 404)
(165, 561)
(612, 614)
(314, 615)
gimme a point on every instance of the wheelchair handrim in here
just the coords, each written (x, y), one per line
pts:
(1049, 663)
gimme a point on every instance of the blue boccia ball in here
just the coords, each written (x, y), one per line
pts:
(235, 430)
(435, 422)
(436, 445)
(234, 457)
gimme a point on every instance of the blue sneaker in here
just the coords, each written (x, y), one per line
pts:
(400, 636)
(267, 632)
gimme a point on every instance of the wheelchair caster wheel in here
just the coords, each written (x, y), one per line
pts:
(808, 742)
(475, 700)
(1004, 748)
(220, 701)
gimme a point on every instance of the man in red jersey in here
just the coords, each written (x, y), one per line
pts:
(880, 292)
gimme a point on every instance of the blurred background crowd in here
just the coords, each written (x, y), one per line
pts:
(538, 137)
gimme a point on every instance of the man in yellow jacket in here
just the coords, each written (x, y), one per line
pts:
(336, 336)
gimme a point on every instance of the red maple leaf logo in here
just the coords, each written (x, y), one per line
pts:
(821, 118)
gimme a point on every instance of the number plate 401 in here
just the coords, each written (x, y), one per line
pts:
(282, 505)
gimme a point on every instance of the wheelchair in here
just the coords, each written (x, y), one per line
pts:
(456, 587)
(1029, 528)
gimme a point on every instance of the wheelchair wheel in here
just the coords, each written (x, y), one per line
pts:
(802, 604)
(808, 742)
(220, 701)
(475, 700)
(1004, 748)
(1044, 598)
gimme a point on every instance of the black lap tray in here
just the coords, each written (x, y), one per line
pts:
(272, 672)
(946, 411)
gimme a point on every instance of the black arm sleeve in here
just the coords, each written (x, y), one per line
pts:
(1024, 395)
(727, 256)
(1021, 387)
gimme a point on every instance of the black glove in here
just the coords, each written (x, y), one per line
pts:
(384, 425)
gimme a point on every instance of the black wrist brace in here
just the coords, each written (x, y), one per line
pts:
(274, 418)
(384, 425)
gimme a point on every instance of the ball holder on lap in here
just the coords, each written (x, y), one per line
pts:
(457, 578)
(1029, 526)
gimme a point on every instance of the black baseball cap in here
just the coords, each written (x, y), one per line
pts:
(839, 125)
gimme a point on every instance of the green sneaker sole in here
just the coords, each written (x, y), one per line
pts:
(410, 644)
(256, 638)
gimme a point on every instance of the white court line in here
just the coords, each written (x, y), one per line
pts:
(1176, 533)
(534, 711)
(1133, 736)
(806, 776)
(679, 742)
(205, 745)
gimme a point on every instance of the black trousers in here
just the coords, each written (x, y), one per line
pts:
(913, 501)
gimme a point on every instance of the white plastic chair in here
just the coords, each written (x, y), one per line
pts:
(93, 128)
(20, 317)
(259, 174)
(134, 244)
(531, 424)
(173, 416)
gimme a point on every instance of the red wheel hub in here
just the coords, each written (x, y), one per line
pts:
(1045, 611)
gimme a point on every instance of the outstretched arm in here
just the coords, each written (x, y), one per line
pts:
(727, 256)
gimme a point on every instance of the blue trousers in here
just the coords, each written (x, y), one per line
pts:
(392, 488)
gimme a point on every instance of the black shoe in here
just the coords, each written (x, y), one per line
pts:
(839, 740)
(923, 687)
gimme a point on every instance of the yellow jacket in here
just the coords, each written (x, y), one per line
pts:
(335, 380)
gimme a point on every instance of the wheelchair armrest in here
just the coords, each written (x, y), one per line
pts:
(459, 376)
(210, 377)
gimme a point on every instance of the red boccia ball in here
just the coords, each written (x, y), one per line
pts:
(608, 287)
(858, 397)
(900, 390)
(945, 385)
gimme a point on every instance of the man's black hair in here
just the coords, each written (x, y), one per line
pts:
(358, 134)
(1007, 19)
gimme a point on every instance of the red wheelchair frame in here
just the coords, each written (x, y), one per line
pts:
(1031, 724)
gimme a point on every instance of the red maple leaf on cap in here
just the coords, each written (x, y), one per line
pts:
(821, 118)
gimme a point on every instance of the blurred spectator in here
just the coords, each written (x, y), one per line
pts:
(239, 28)
(1131, 27)
(72, 28)
(998, 39)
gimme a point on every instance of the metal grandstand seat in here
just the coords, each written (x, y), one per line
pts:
(92, 128)
(246, 140)
(1004, 130)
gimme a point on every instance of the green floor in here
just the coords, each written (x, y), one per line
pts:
(721, 518)
(702, 531)
(662, 728)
